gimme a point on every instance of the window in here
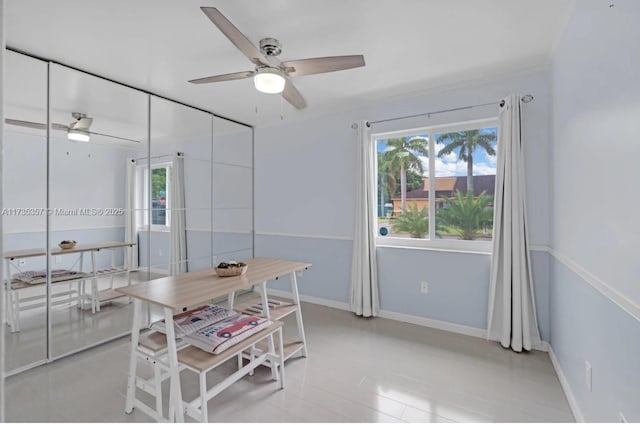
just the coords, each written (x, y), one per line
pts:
(435, 186)
(160, 196)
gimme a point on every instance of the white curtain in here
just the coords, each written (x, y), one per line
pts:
(512, 314)
(364, 276)
(178, 262)
(130, 225)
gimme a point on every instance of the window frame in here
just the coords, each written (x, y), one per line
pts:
(456, 245)
(148, 206)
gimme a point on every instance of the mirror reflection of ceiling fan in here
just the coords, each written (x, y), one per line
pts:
(77, 131)
(271, 75)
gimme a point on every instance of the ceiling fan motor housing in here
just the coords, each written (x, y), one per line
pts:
(270, 46)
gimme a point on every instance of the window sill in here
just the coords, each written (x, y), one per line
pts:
(462, 247)
(146, 229)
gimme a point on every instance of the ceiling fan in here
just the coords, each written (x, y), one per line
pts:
(271, 75)
(77, 131)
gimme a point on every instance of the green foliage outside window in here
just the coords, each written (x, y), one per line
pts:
(466, 215)
(413, 221)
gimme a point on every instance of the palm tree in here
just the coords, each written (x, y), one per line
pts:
(402, 154)
(466, 143)
(386, 180)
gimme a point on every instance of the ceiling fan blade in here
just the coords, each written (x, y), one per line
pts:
(29, 124)
(61, 127)
(115, 137)
(223, 77)
(235, 36)
(293, 96)
(319, 65)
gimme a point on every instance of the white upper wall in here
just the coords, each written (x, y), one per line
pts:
(596, 143)
(304, 170)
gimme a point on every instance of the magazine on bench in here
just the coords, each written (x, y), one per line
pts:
(257, 308)
(222, 335)
(37, 277)
(192, 320)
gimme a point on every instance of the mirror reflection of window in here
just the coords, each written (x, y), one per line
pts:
(160, 195)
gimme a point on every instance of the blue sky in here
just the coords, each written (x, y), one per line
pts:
(449, 165)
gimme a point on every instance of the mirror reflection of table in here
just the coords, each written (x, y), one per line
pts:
(14, 303)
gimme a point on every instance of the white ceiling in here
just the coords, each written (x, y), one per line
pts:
(410, 46)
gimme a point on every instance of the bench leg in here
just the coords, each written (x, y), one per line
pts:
(203, 397)
(281, 348)
(157, 372)
(252, 355)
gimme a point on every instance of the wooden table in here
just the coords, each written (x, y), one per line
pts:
(13, 299)
(176, 293)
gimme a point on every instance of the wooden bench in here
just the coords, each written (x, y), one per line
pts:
(201, 362)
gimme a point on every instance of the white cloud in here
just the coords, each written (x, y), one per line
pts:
(483, 169)
(449, 165)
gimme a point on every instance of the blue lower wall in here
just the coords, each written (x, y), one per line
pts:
(459, 282)
(329, 276)
(586, 325)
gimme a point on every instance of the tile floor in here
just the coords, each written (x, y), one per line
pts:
(371, 370)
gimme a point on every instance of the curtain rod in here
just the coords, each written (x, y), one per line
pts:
(158, 156)
(525, 99)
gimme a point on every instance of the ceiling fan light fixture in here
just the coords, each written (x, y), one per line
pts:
(78, 135)
(269, 80)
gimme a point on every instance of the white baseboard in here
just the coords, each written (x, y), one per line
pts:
(312, 300)
(156, 270)
(432, 323)
(401, 317)
(407, 318)
(573, 403)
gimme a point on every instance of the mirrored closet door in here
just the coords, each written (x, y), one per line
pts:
(105, 186)
(98, 132)
(180, 188)
(24, 218)
(232, 190)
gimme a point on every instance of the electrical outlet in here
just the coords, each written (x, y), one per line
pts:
(587, 375)
(160, 252)
(424, 287)
(621, 418)
(58, 259)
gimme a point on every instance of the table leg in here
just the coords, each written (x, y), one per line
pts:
(15, 300)
(95, 302)
(133, 359)
(81, 285)
(176, 413)
(267, 314)
(8, 299)
(296, 301)
(231, 297)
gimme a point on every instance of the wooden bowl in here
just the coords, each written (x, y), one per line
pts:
(68, 245)
(231, 271)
